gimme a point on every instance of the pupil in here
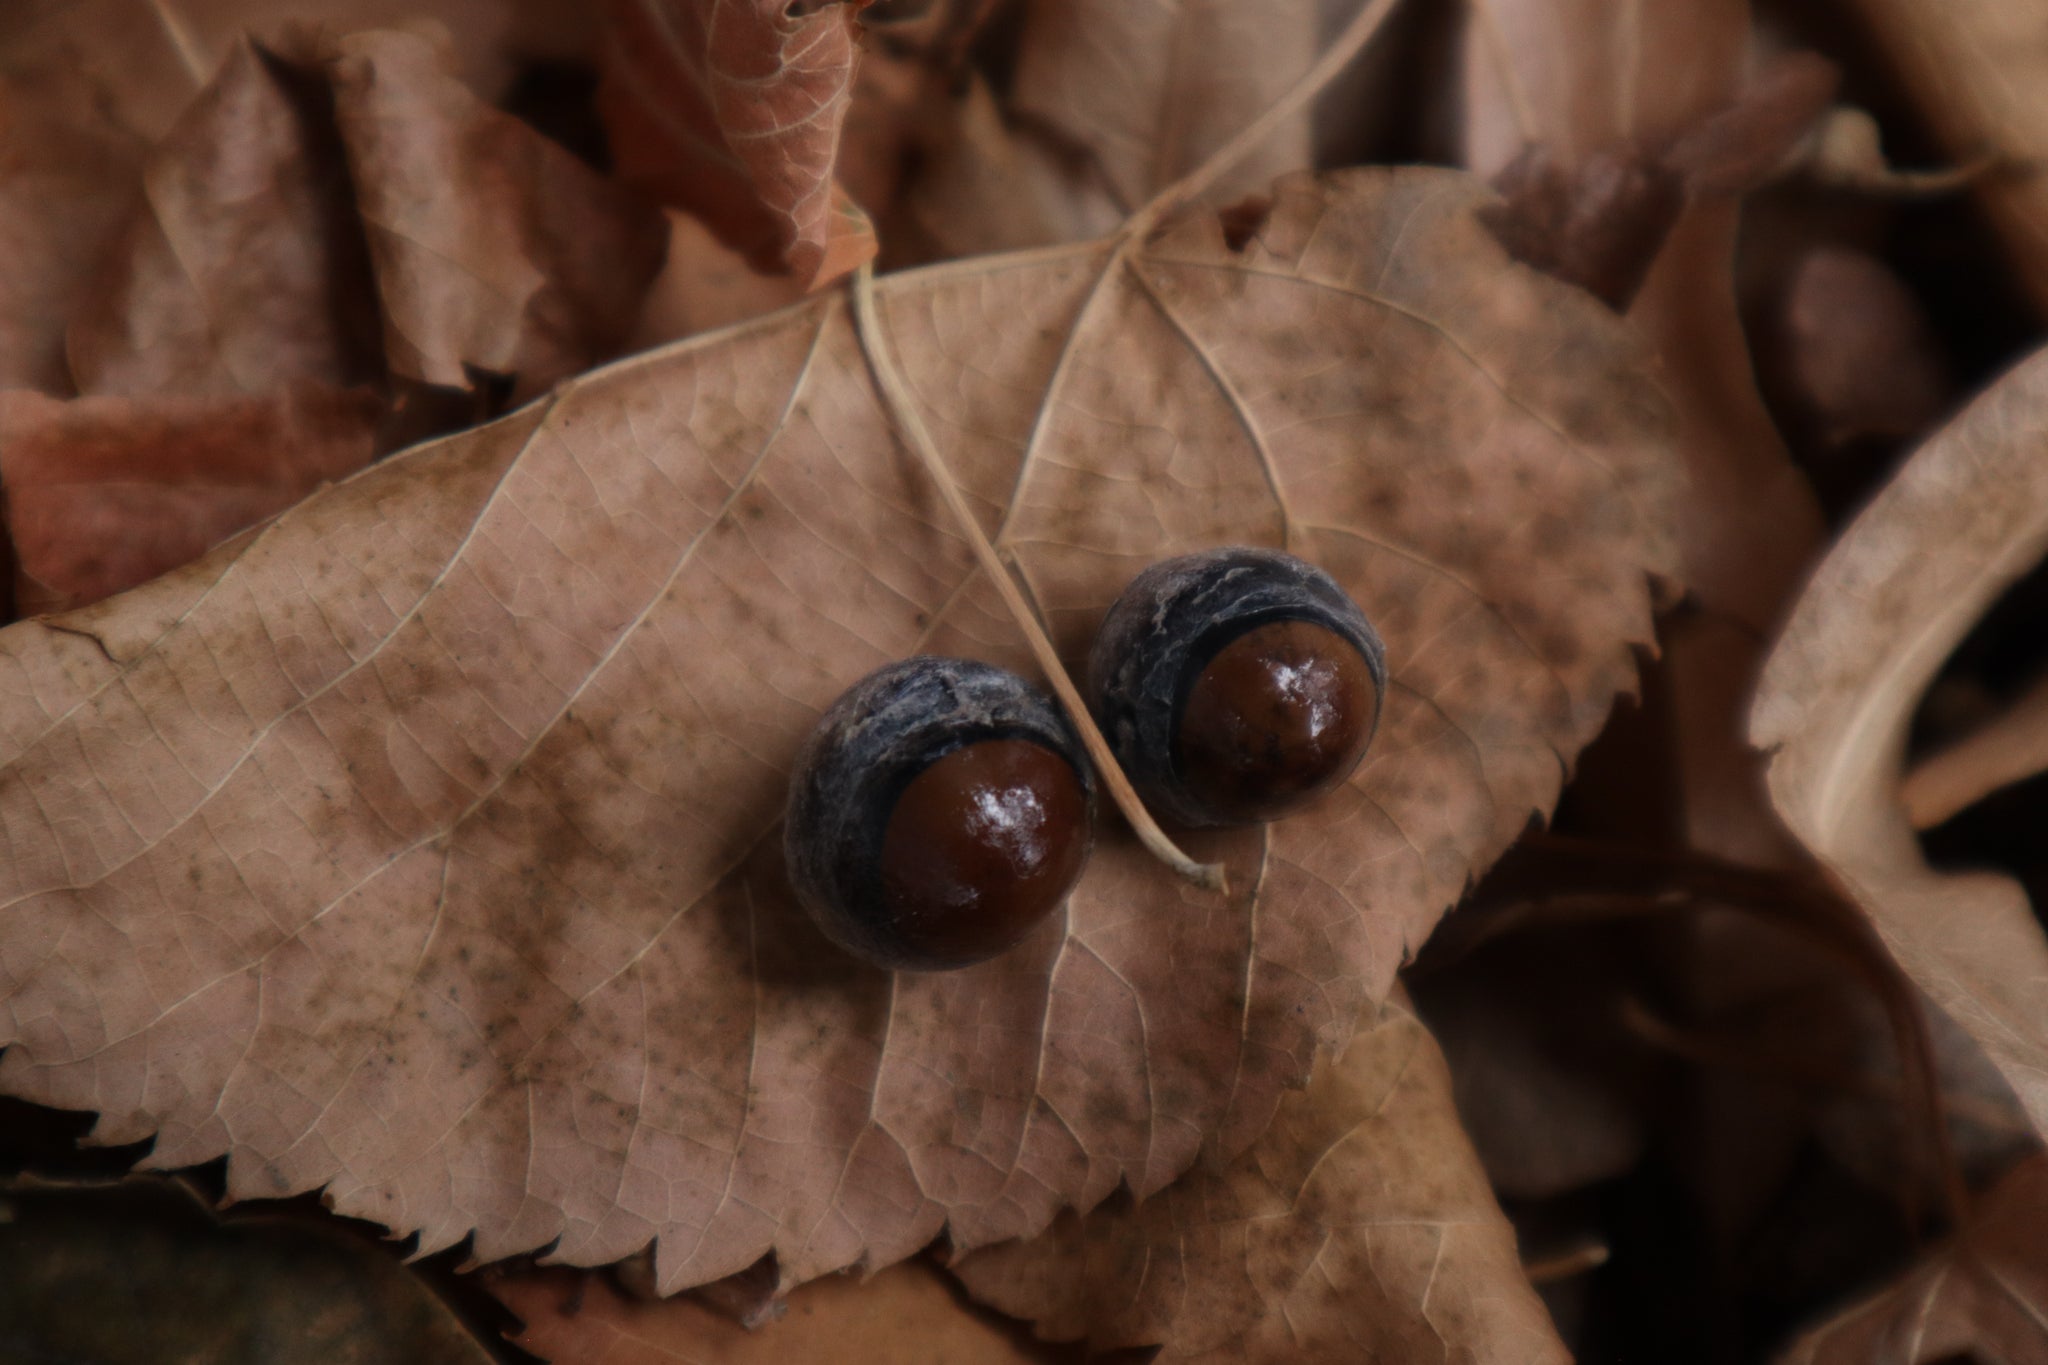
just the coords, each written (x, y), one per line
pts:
(1276, 717)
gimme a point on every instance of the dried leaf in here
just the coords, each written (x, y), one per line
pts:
(1962, 520)
(1360, 1227)
(67, 175)
(1580, 76)
(106, 493)
(1982, 1297)
(2010, 747)
(494, 248)
(426, 844)
(1972, 66)
(154, 56)
(1152, 90)
(242, 268)
(732, 109)
(906, 1312)
(137, 1272)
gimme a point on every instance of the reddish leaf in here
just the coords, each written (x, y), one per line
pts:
(732, 109)
(106, 493)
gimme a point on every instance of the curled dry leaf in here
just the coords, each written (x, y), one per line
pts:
(138, 1272)
(1360, 1227)
(241, 267)
(106, 493)
(732, 109)
(906, 1312)
(1966, 516)
(426, 844)
(67, 175)
(494, 248)
(1982, 1297)
(1974, 67)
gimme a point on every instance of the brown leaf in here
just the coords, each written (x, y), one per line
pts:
(67, 176)
(440, 860)
(1972, 67)
(1360, 1227)
(242, 267)
(1901, 586)
(1152, 90)
(1585, 75)
(154, 56)
(494, 248)
(1982, 1297)
(138, 1272)
(906, 1312)
(106, 493)
(732, 110)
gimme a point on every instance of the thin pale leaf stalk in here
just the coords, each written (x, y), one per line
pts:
(896, 393)
(1254, 135)
(1520, 107)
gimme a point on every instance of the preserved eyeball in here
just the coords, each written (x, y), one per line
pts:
(1236, 685)
(939, 811)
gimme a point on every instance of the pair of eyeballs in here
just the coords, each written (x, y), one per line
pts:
(943, 807)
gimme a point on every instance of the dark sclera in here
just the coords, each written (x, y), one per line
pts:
(940, 810)
(1236, 685)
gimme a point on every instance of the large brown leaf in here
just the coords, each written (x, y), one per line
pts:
(426, 844)
(1360, 1227)
(1966, 516)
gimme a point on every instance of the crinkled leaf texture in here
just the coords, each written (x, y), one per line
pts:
(1360, 1227)
(425, 845)
(1964, 518)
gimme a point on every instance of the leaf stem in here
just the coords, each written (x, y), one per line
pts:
(896, 394)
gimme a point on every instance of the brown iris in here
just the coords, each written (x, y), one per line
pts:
(980, 846)
(1280, 714)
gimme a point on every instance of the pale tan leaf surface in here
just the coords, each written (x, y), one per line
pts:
(241, 268)
(1966, 516)
(906, 1313)
(425, 845)
(2009, 747)
(68, 171)
(1360, 1227)
(139, 1272)
(732, 109)
(1981, 1297)
(494, 248)
(104, 493)
(1151, 90)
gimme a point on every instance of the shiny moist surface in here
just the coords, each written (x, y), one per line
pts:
(982, 845)
(1276, 717)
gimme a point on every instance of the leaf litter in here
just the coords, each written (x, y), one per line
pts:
(1672, 74)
